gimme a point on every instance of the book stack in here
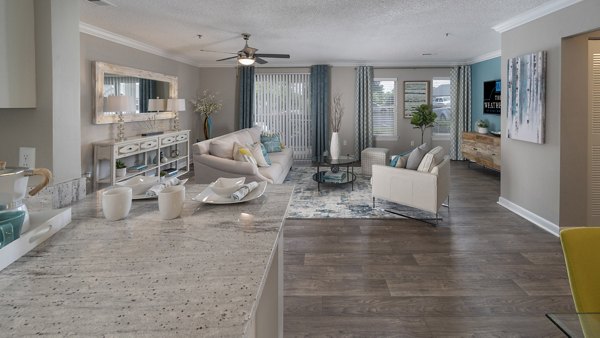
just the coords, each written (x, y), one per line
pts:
(137, 168)
(332, 177)
(170, 172)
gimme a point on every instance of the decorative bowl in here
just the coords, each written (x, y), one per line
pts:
(139, 184)
(10, 226)
(227, 186)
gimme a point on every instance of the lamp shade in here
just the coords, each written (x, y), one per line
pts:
(246, 61)
(156, 104)
(175, 105)
(118, 104)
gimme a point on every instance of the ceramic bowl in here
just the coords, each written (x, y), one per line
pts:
(139, 184)
(227, 186)
(10, 226)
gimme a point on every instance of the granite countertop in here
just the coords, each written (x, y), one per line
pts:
(197, 275)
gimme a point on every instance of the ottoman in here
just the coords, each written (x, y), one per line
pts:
(371, 156)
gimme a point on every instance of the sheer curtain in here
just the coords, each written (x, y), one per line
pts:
(460, 91)
(364, 109)
(246, 95)
(319, 96)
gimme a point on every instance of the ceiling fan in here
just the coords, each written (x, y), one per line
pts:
(247, 56)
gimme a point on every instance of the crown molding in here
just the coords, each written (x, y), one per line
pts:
(129, 42)
(532, 14)
(486, 56)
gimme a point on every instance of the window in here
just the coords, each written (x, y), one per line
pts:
(441, 101)
(282, 104)
(384, 108)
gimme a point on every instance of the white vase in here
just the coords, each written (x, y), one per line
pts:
(334, 146)
(482, 130)
(120, 172)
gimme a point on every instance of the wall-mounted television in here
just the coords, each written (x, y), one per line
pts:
(492, 96)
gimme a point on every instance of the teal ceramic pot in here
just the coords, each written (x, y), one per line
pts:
(10, 226)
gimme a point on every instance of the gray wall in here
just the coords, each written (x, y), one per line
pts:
(96, 49)
(531, 172)
(51, 127)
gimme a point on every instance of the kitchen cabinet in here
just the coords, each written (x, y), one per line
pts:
(142, 155)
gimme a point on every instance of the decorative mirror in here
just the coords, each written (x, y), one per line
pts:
(140, 84)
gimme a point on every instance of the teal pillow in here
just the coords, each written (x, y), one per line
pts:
(394, 161)
(272, 142)
(265, 153)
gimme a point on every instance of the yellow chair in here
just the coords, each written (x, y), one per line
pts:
(581, 247)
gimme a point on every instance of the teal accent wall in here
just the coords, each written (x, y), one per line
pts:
(481, 72)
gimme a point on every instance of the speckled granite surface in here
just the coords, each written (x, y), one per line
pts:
(198, 275)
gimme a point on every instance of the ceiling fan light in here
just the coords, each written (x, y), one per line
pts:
(246, 61)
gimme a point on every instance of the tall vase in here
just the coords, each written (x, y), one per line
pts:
(207, 127)
(334, 146)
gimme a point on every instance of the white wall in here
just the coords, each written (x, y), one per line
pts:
(531, 174)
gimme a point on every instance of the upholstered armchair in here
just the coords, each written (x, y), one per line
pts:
(425, 190)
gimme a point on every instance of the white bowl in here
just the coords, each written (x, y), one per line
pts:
(139, 184)
(227, 186)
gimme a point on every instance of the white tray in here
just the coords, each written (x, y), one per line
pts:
(144, 197)
(209, 197)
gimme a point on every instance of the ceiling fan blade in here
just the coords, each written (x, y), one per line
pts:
(215, 51)
(259, 60)
(229, 58)
(280, 56)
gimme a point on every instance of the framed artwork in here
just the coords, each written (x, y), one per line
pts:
(526, 97)
(492, 94)
(416, 93)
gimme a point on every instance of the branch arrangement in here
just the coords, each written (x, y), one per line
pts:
(207, 104)
(337, 111)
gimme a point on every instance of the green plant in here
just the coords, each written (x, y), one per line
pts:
(483, 124)
(163, 173)
(120, 165)
(423, 117)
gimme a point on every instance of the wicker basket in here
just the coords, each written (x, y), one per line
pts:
(371, 156)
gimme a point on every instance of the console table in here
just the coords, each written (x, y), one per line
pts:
(482, 149)
(142, 156)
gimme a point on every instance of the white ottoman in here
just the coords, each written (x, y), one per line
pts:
(371, 156)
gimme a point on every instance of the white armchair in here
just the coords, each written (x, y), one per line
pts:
(422, 190)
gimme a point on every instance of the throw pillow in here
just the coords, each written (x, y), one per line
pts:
(265, 153)
(257, 153)
(272, 142)
(434, 157)
(402, 161)
(394, 160)
(242, 154)
(415, 158)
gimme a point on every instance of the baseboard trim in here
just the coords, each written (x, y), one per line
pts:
(530, 216)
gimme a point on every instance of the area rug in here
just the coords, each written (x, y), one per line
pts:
(338, 201)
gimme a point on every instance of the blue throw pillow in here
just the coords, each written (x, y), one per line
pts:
(394, 161)
(265, 153)
(272, 142)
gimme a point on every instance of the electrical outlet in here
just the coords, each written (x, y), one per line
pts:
(27, 157)
(412, 143)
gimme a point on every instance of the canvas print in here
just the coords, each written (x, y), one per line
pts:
(526, 97)
(416, 93)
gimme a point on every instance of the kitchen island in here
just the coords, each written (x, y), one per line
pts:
(215, 271)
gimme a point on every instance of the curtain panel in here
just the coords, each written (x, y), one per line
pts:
(246, 96)
(319, 103)
(363, 133)
(460, 90)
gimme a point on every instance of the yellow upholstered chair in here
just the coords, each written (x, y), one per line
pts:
(581, 247)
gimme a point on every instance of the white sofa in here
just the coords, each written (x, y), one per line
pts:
(422, 190)
(214, 158)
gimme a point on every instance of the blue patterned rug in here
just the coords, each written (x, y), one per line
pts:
(338, 201)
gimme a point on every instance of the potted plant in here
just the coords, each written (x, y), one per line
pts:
(423, 117)
(121, 169)
(482, 126)
(206, 106)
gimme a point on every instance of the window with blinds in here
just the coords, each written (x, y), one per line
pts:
(384, 108)
(282, 104)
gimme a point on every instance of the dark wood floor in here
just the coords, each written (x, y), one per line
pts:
(483, 272)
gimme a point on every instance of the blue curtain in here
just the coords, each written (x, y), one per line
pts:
(147, 92)
(364, 109)
(319, 104)
(246, 95)
(460, 91)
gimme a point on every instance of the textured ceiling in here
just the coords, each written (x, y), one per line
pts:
(338, 32)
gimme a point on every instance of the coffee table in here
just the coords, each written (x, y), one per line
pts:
(334, 165)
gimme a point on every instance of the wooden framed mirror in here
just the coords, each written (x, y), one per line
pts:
(142, 85)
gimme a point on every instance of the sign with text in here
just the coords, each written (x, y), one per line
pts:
(492, 97)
